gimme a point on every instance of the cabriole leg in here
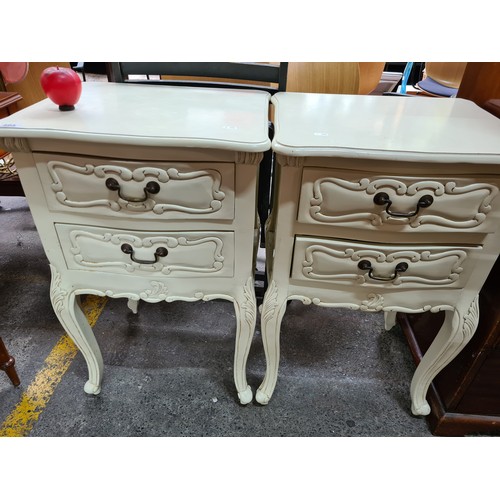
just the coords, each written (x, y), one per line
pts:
(273, 309)
(390, 319)
(457, 330)
(132, 304)
(245, 307)
(66, 305)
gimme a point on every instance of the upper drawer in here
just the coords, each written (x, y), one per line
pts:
(400, 203)
(146, 190)
(177, 254)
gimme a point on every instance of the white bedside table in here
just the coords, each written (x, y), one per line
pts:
(383, 204)
(147, 193)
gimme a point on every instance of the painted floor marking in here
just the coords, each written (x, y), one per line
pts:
(35, 397)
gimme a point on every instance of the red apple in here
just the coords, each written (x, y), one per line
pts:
(62, 86)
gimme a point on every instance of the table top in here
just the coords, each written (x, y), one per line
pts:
(385, 127)
(151, 115)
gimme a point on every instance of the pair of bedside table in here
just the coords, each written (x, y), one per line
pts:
(381, 204)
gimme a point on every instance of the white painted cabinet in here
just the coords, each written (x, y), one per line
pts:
(382, 204)
(147, 193)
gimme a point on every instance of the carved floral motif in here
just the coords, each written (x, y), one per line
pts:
(57, 293)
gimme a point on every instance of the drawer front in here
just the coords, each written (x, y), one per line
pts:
(367, 201)
(148, 253)
(344, 262)
(148, 190)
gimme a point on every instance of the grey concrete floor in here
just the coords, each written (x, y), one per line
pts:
(168, 369)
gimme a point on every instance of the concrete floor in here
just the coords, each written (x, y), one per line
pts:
(168, 369)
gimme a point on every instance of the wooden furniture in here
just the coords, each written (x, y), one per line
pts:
(334, 77)
(383, 204)
(480, 82)
(442, 79)
(148, 194)
(7, 363)
(465, 396)
(8, 102)
(10, 185)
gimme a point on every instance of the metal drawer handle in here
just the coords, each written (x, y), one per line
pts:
(152, 187)
(383, 199)
(365, 265)
(160, 252)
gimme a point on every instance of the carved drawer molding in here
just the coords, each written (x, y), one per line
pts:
(342, 262)
(179, 190)
(452, 206)
(184, 253)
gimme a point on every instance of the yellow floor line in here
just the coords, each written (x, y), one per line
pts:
(34, 399)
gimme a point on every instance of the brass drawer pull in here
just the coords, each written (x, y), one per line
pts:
(159, 252)
(365, 265)
(152, 187)
(383, 199)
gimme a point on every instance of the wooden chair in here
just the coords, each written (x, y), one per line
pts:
(269, 77)
(442, 79)
(334, 77)
(7, 363)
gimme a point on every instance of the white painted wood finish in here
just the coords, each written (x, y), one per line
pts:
(335, 154)
(192, 237)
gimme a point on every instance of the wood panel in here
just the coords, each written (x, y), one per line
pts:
(333, 77)
(480, 82)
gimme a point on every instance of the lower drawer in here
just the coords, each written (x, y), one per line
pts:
(357, 263)
(147, 253)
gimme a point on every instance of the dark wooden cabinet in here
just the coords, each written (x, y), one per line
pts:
(465, 395)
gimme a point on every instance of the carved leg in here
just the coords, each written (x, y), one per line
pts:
(245, 307)
(457, 330)
(132, 305)
(273, 309)
(390, 319)
(66, 305)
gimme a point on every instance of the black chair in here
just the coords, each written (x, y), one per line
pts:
(254, 76)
